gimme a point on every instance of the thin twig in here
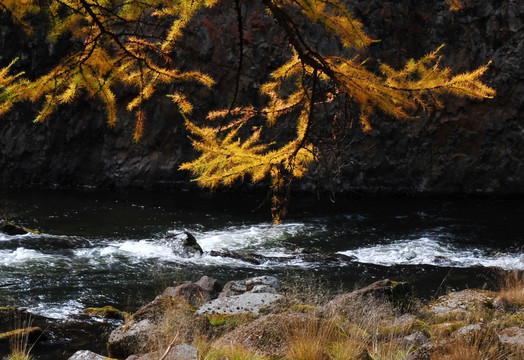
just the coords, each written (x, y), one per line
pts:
(170, 346)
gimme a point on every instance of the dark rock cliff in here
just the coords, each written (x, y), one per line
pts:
(468, 147)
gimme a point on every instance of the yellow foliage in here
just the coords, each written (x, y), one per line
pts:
(455, 4)
(130, 43)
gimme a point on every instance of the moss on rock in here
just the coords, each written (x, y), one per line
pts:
(32, 333)
(106, 312)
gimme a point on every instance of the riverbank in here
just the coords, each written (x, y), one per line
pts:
(260, 319)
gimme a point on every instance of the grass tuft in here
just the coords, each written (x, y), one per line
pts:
(233, 352)
(511, 293)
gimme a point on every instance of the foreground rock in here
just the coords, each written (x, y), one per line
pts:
(129, 339)
(512, 337)
(87, 355)
(259, 284)
(197, 293)
(342, 304)
(204, 297)
(357, 325)
(179, 352)
(253, 303)
(457, 305)
(52, 338)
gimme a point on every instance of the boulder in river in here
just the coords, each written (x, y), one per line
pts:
(9, 228)
(185, 244)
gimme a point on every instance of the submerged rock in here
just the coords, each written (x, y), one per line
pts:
(9, 228)
(254, 259)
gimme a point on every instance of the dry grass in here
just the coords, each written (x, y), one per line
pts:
(307, 340)
(233, 352)
(511, 293)
(312, 323)
(175, 320)
(305, 293)
(358, 336)
(20, 339)
(478, 345)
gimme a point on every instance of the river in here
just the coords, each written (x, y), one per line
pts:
(113, 248)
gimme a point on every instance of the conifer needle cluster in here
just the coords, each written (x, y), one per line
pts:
(131, 42)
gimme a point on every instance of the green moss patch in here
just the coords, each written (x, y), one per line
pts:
(229, 321)
(108, 312)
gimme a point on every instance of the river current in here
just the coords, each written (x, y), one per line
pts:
(115, 248)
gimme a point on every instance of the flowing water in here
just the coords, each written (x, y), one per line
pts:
(105, 248)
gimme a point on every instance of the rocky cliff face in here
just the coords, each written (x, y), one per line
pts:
(468, 147)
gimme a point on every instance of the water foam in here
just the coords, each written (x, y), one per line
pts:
(22, 255)
(428, 251)
(262, 236)
(57, 310)
(262, 239)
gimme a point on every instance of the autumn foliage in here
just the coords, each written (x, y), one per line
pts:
(130, 43)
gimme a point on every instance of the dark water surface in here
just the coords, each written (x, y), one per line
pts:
(109, 248)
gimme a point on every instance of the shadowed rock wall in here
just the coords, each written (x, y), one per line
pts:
(468, 147)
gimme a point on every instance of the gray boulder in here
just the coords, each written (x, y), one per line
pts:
(388, 289)
(239, 304)
(413, 340)
(259, 284)
(179, 352)
(128, 339)
(86, 355)
(204, 290)
(512, 337)
(458, 304)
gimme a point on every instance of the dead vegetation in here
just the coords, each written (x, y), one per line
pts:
(311, 324)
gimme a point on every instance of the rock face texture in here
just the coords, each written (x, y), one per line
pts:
(467, 147)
